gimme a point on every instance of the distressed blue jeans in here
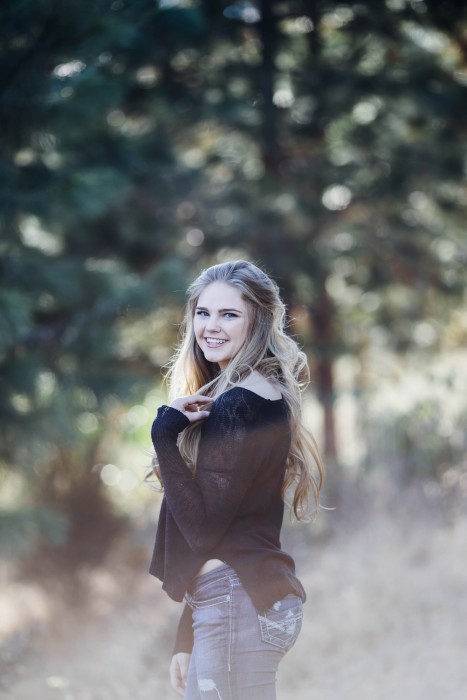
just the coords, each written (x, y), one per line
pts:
(237, 651)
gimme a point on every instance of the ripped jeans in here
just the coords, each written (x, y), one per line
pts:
(237, 651)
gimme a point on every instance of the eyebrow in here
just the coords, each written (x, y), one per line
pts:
(203, 308)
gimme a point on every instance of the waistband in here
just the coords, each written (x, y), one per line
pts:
(219, 572)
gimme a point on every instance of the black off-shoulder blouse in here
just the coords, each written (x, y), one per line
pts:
(231, 509)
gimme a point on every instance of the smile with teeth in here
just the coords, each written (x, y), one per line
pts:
(215, 342)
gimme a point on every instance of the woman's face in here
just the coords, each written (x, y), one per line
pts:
(220, 322)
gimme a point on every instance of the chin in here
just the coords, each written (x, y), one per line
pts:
(215, 359)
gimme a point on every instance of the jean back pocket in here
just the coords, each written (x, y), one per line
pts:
(281, 624)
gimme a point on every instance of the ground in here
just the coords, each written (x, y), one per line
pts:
(385, 617)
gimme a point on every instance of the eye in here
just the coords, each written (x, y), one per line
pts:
(229, 314)
(202, 313)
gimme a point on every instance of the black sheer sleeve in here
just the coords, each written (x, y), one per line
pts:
(231, 450)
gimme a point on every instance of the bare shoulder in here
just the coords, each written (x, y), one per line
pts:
(260, 385)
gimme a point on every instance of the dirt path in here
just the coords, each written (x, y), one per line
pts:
(386, 619)
(387, 615)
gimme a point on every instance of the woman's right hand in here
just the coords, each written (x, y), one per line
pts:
(179, 671)
(192, 406)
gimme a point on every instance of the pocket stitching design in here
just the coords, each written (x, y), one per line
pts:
(282, 629)
(209, 603)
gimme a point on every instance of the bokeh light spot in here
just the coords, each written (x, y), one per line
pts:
(195, 237)
(110, 474)
(336, 197)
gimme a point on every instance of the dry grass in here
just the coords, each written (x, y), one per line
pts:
(386, 613)
(385, 618)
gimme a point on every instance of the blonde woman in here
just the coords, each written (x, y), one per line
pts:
(228, 447)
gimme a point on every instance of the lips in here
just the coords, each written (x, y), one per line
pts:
(215, 342)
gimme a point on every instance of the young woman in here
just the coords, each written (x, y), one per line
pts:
(228, 447)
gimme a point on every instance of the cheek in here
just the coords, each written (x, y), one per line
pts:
(242, 333)
(197, 325)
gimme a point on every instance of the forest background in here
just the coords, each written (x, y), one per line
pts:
(142, 141)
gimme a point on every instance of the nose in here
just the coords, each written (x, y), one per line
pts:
(213, 325)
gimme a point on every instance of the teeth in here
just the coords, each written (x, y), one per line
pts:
(215, 341)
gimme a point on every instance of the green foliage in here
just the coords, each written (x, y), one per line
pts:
(21, 529)
(141, 140)
(84, 251)
(416, 444)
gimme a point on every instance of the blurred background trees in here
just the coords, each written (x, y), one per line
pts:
(144, 140)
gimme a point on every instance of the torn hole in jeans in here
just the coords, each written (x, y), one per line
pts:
(207, 684)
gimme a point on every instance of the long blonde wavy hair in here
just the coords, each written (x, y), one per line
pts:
(268, 350)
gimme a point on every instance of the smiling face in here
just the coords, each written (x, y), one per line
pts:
(220, 322)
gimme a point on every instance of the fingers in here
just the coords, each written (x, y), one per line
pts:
(175, 677)
(199, 398)
(179, 672)
(192, 406)
(196, 401)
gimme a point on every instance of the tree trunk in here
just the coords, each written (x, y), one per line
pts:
(322, 314)
(271, 151)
